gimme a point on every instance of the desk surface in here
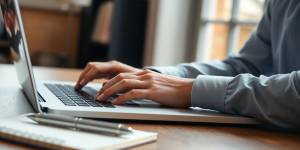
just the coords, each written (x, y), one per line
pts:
(171, 135)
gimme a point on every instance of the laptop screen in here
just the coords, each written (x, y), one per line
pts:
(18, 51)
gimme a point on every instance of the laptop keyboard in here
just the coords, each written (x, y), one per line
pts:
(70, 97)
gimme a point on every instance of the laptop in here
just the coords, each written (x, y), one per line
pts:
(59, 97)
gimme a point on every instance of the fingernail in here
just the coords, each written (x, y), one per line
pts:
(115, 102)
(100, 97)
(82, 82)
(96, 96)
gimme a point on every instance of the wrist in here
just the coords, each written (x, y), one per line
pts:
(187, 91)
(190, 83)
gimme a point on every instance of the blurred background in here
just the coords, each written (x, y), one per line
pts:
(70, 33)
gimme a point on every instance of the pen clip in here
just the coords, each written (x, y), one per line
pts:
(76, 120)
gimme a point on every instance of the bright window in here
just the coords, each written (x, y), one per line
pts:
(225, 26)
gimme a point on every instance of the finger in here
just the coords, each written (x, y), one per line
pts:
(99, 92)
(124, 85)
(132, 94)
(117, 79)
(103, 72)
(90, 75)
(142, 72)
(120, 77)
(82, 75)
(140, 75)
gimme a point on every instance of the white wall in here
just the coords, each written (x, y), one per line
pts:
(171, 32)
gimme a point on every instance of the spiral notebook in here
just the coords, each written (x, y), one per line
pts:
(21, 129)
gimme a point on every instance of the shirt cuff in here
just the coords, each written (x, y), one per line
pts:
(209, 92)
(168, 70)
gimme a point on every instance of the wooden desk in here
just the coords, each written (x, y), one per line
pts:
(171, 135)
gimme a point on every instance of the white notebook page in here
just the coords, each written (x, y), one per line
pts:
(22, 126)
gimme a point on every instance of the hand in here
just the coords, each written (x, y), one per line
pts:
(94, 70)
(167, 90)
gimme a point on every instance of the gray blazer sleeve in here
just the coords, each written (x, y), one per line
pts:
(235, 85)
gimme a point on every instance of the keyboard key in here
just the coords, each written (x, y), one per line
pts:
(69, 104)
(80, 102)
(66, 100)
(77, 102)
(94, 104)
(107, 104)
(83, 104)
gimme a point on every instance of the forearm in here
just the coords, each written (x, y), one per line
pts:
(192, 70)
(274, 99)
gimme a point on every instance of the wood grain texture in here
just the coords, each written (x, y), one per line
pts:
(171, 135)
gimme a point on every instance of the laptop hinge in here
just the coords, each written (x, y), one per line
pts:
(41, 100)
(44, 109)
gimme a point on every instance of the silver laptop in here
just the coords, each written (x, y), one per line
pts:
(60, 97)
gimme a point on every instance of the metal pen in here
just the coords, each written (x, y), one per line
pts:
(81, 124)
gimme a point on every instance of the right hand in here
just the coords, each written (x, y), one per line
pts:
(108, 70)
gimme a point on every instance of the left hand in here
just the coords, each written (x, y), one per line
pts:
(167, 90)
